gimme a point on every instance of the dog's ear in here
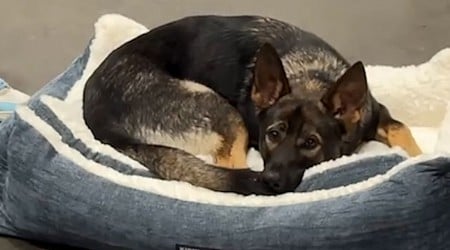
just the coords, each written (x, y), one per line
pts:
(346, 98)
(269, 78)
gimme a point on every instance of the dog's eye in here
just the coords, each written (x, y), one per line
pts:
(310, 143)
(273, 135)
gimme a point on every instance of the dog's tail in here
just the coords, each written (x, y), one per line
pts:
(175, 164)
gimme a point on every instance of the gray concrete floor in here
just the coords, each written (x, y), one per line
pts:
(38, 39)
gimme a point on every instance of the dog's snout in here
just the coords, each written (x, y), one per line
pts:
(274, 180)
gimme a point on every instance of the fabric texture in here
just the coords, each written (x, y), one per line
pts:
(59, 184)
(9, 98)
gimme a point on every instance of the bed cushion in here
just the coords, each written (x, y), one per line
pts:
(60, 185)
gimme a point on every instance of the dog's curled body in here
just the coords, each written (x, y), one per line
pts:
(163, 122)
(181, 89)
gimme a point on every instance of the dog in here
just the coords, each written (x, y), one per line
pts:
(218, 84)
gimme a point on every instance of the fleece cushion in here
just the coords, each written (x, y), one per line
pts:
(59, 184)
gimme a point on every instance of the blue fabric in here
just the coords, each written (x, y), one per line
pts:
(3, 84)
(350, 173)
(47, 196)
(6, 106)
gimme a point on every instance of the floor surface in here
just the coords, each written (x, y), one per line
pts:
(40, 38)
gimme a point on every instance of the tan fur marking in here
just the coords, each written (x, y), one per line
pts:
(263, 101)
(336, 102)
(351, 120)
(194, 142)
(400, 135)
(239, 148)
(237, 156)
(194, 87)
(257, 98)
(312, 85)
(223, 161)
(356, 116)
(381, 135)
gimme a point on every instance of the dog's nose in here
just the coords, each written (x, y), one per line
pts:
(274, 180)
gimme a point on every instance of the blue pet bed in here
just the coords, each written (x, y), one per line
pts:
(60, 185)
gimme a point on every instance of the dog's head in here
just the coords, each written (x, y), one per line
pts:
(299, 130)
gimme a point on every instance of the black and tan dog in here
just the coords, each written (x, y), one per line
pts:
(197, 85)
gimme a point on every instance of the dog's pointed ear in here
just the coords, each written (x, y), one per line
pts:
(348, 95)
(270, 82)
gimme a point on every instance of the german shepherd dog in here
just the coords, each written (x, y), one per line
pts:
(214, 85)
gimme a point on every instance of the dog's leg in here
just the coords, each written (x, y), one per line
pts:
(235, 155)
(395, 133)
(398, 134)
(239, 148)
(174, 164)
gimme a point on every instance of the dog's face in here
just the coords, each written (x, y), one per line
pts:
(299, 131)
(295, 135)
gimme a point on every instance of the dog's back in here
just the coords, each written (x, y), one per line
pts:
(219, 52)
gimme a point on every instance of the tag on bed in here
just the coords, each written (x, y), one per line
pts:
(186, 247)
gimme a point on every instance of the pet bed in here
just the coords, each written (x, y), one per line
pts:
(60, 185)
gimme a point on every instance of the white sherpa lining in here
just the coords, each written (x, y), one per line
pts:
(113, 30)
